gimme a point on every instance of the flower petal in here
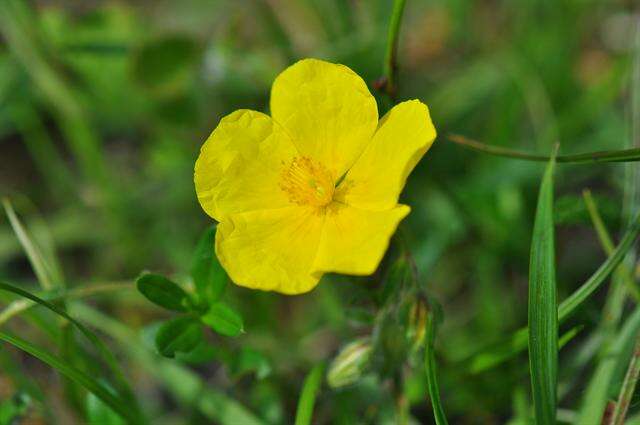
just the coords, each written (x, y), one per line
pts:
(327, 110)
(239, 164)
(354, 240)
(375, 181)
(271, 250)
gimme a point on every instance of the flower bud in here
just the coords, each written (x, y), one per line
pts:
(350, 363)
(417, 322)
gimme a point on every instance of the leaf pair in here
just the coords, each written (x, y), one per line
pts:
(184, 333)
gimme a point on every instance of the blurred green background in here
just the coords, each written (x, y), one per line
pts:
(105, 104)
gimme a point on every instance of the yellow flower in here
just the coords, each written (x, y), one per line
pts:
(314, 188)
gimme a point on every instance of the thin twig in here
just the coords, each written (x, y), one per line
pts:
(624, 155)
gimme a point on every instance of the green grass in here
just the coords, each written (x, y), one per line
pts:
(104, 108)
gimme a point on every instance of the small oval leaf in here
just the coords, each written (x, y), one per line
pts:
(163, 292)
(182, 334)
(224, 320)
(208, 275)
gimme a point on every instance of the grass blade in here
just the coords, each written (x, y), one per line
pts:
(516, 342)
(40, 267)
(628, 387)
(430, 369)
(623, 155)
(107, 356)
(310, 389)
(74, 374)
(543, 306)
(598, 391)
(182, 383)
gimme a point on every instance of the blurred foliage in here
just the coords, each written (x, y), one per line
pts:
(103, 108)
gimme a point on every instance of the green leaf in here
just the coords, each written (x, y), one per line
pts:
(163, 292)
(181, 334)
(224, 320)
(208, 275)
(312, 382)
(249, 360)
(98, 413)
(87, 381)
(543, 306)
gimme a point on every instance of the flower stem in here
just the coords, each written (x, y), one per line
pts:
(389, 82)
(624, 155)
(430, 369)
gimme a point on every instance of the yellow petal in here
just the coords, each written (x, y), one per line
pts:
(375, 181)
(354, 240)
(239, 165)
(327, 110)
(271, 250)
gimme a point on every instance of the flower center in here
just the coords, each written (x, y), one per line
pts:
(307, 182)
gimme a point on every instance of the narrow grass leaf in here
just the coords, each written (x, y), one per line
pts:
(310, 388)
(163, 292)
(88, 382)
(104, 352)
(181, 334)
(543, 306)
(40, 267)
(185, 386)
(224, 320)
(628, 387)
(431, 371)
(99, 413)
(208, 275)
(599, 389)
(505, 349)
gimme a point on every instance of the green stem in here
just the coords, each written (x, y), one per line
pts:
(310, 389)
(624, 155)
(430, 368)
(391, 55)
(628, 387)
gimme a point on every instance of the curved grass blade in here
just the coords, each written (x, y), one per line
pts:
(543, 306)
(503, 350)
(107, 356)
(430, 369)
(184, 385)
(40, 266)
(600, 386)
(88, 382)
(310, 388)
(623, 155)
